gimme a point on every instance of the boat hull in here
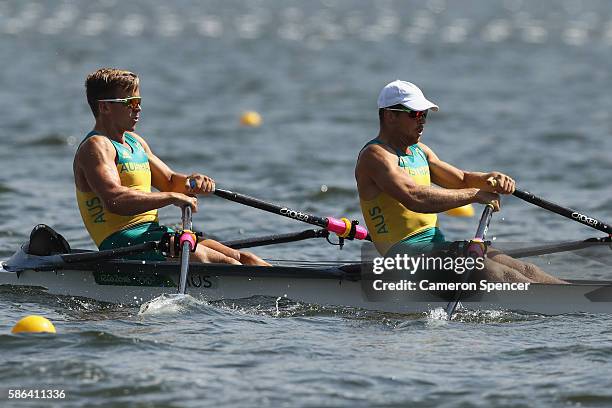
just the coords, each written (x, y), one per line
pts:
(133, 283)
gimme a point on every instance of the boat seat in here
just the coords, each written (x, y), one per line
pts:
(44, 241)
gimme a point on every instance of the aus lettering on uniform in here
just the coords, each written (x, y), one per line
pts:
(378, 219)
(127, 167)
(419, 171)
(95, 209)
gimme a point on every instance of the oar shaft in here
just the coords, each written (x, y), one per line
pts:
(564, 211)
(277, 239)
(331, 224)
(187, 223)
(483, 224)
(475, 249)
(274, 209)
(184, 268)
(559, 247)
(95, 256)
(186, 242)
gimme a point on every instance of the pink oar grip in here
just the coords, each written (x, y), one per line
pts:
(189, 238)
(339, 227)
(335, 225)
(361, 232)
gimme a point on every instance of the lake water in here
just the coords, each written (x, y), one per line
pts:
(523, 88)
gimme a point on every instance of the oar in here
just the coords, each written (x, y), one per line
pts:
(559, 247)
(187, 243)
(556, 208)
(277, 239)
(476, 248)
(344, 228)
(564, 211)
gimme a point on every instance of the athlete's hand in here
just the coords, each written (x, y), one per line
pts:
(499, 183)
(485, 197)
(183, 200)
(199, 184)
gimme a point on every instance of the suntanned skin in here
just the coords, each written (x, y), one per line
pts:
(95, 170)
(377, 171)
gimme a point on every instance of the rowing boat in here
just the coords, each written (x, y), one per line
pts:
(132, 282)
(47, 261)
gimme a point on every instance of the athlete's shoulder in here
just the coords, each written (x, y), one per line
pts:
(96, 142)
(375, 156)
(94, 149)
(374, 150)
(376, 147)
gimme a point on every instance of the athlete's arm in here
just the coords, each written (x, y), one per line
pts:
(448, 176)
(379, 166)
(164, 178)
(96, 159)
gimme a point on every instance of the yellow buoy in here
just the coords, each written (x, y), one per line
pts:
(250, 118)
(33, 324)
(463, 211)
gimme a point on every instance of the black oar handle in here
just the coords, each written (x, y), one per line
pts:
(275, 209)
(564, 211)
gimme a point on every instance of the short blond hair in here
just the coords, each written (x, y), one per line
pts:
(104, 84)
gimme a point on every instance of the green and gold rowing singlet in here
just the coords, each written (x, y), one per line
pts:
(134, 172)
(388, 221)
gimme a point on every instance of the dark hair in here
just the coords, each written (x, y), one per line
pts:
(382, 110)
(104, 84)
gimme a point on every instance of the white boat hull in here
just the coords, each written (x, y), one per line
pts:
(215, 282)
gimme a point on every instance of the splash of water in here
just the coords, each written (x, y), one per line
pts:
(169, 304)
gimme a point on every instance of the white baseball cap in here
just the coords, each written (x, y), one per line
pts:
(404, 93)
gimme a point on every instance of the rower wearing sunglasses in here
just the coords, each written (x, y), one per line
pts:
(394, 175)
(114, 170)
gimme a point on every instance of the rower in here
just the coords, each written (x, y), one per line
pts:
(114, 170)
(395, 172)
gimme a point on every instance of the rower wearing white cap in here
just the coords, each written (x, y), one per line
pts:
(395, 172)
